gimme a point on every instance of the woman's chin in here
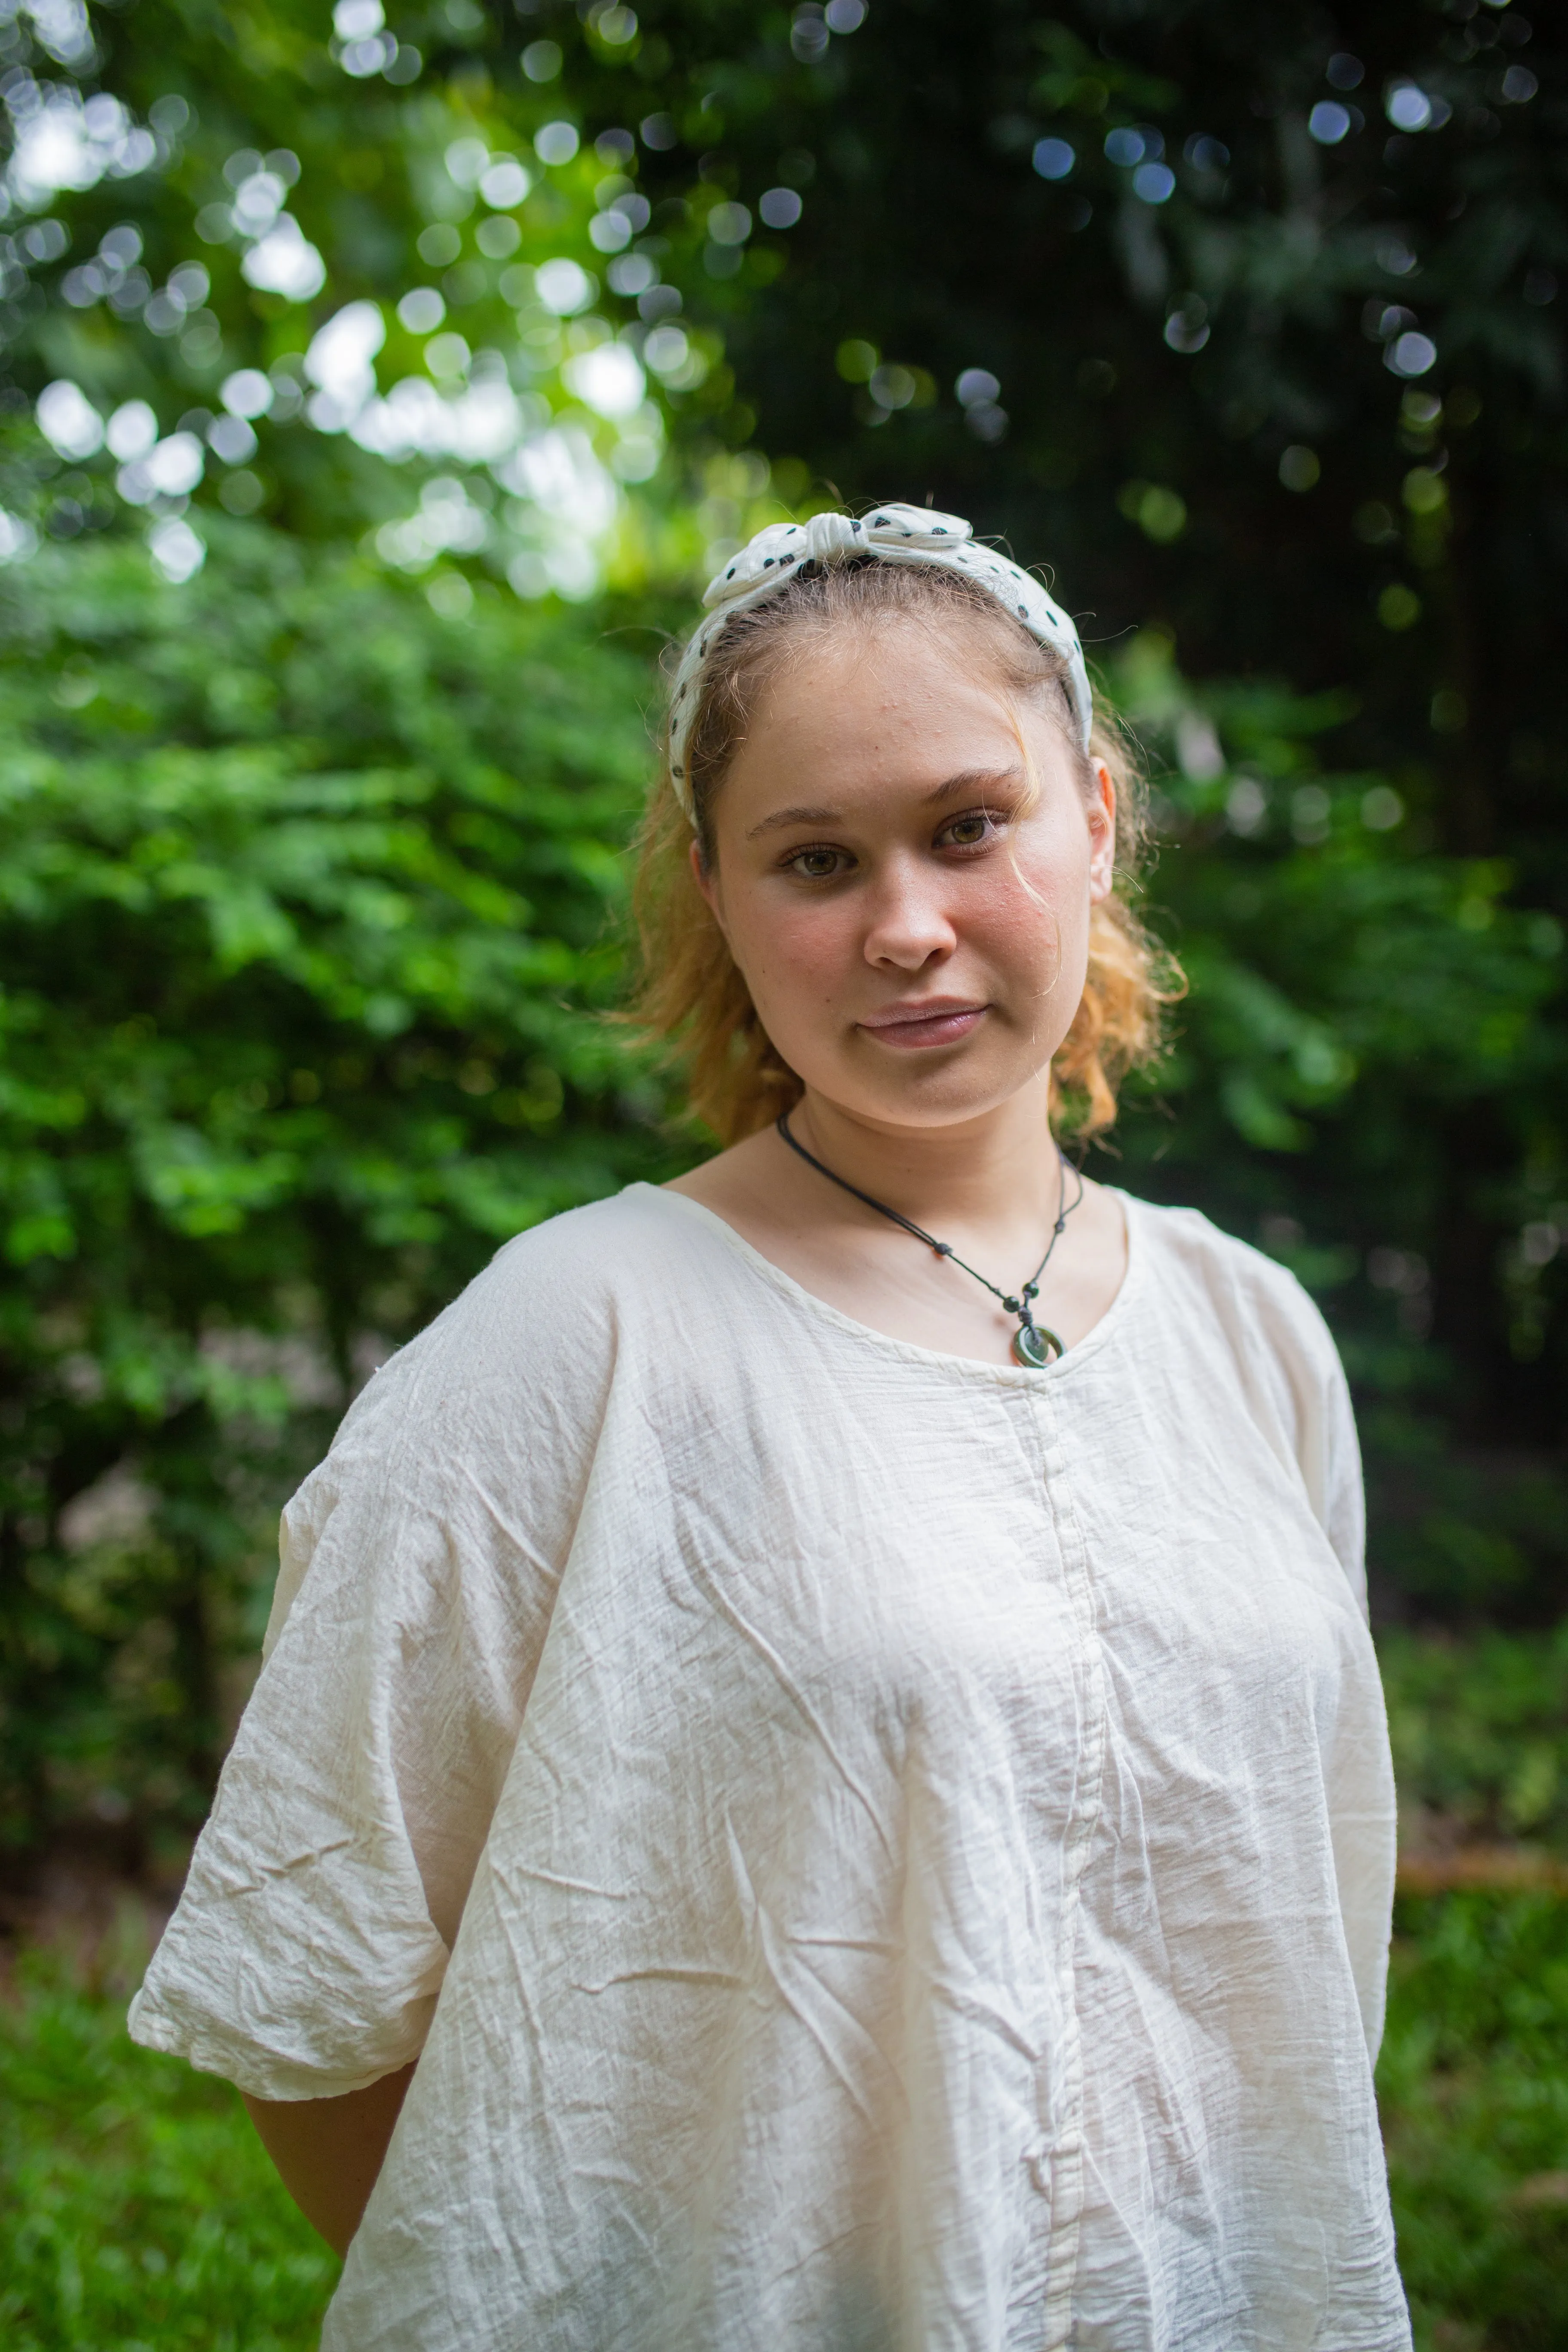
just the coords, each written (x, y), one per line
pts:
(926, 1090)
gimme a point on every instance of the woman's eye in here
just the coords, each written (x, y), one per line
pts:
(967, 832)
(817, 864)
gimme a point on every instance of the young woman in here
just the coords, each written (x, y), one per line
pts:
(820, 1780)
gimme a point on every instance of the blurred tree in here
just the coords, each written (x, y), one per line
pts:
(253, 264)
(1249, 332)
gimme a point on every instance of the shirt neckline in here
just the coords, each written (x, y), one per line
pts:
(969, 1367)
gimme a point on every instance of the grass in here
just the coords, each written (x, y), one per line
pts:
(138, 2214)
(1474, 2087)
(1474, 2073)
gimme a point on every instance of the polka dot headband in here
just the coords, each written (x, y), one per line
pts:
(894, 534)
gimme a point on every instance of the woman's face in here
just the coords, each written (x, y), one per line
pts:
(914, 932)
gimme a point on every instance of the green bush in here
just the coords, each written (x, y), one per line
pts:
(307, 904)
(1480, 1732)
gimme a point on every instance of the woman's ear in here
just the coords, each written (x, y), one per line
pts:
(707, 881)
(1103, 832)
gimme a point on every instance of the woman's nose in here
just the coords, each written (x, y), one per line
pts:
(908, 919)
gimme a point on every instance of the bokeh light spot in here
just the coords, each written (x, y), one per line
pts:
(1329, 122)
(1382, 809)
(247, 392)
(1398, 607)
(177, 551)
(563, 286)
(557, 143)
(977, 383)
(504, 182)
(1410, 355)
(779, 208)
(422, 309)
(1407, 106)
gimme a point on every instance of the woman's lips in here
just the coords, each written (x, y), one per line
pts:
(911, 1027)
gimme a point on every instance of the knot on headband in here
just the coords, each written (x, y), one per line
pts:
(833, 539)
(891, 535)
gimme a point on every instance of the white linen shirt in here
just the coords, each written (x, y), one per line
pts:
(873, 1851)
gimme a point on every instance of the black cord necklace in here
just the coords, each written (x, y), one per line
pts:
(1033, 1343)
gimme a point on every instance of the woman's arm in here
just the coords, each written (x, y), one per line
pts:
(329, 2151)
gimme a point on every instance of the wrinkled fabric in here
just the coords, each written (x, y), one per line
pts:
(873, 1851)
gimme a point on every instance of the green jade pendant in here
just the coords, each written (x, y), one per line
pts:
(1035, 1347)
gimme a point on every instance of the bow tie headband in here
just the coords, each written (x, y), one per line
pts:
(893, 534)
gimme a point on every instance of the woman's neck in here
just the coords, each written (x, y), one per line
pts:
(972, 1172)
(991, 1187)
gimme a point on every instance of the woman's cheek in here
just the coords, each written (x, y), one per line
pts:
(792, 955)
(1025, 929)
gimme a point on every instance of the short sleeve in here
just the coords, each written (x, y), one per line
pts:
(1353, 1731)
(1343, 1506)
(1326, 1445)
(1290, 1367)
(418, 1566)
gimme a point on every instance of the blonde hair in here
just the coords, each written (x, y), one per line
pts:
(691, 995)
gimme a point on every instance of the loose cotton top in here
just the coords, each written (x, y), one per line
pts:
(872, 1851)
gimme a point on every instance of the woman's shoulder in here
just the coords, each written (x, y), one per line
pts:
(1238, 1319)
(594, 1247)
(508, 1385)
(544, 1320)
(1198, 1264)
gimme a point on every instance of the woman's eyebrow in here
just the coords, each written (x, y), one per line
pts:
(971, 779)
(782, 817)
(974, 779)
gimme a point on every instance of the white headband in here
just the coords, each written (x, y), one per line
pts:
(898, 534)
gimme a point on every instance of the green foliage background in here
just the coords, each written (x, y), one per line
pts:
(308, 904)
